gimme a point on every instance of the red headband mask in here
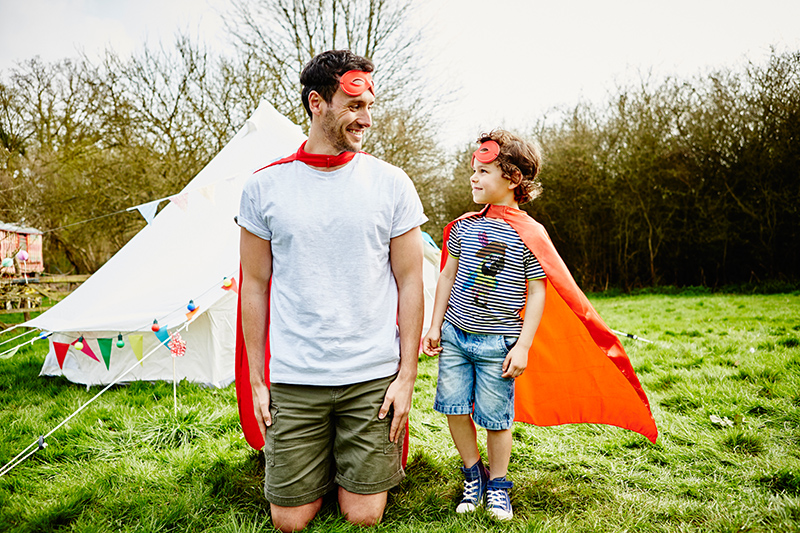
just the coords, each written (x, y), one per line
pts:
(356, 82)
(486, 152)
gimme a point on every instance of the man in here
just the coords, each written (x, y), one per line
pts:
(331, 256)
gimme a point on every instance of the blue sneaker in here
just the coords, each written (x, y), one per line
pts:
(475, 479)
(497, 500)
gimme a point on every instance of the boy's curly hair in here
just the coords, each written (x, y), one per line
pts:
(520, 161)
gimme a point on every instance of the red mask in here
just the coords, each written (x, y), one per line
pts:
(486, 152)
(355, 82)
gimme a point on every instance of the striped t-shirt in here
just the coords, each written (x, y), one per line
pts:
(491, 281)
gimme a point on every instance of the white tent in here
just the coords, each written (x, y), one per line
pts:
(183, 255)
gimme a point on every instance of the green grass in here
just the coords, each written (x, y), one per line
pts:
(127, 463)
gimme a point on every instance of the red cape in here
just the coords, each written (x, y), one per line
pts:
(577, 368)
(244, 393)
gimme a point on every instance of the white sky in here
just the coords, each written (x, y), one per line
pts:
(512, 60)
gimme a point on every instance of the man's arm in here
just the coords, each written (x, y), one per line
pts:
(405, 255)
(256, 259)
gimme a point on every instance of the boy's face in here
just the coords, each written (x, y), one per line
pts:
(345, 120)
(489, 186)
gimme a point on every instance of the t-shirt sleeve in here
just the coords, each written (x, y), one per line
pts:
(250, 216)
(408, 212)
(454, 241)
(533, 270)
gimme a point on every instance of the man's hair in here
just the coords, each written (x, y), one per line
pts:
(322, 73)
(520, 161)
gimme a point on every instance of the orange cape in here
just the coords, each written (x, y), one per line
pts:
(244, 393)
(577, 368)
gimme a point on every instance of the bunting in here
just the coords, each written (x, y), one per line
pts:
(85, 348)
(162, 334)
(148, 210)
(181, 200)
(136, 342)
(105, 351)
(61, 352)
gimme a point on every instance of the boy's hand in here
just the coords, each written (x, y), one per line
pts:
(515, 362)
(431, 342)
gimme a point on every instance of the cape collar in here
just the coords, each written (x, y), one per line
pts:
(321, 160)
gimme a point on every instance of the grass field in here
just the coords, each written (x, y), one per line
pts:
(127, 463)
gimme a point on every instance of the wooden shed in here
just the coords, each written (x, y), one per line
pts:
(13, 239)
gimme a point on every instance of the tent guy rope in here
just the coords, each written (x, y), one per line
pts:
(40, 443)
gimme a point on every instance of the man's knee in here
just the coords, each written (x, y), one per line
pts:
(362, 509)
(287, 519)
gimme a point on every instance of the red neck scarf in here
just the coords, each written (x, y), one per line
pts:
(321, 160)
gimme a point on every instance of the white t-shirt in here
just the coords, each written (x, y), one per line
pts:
(333, 302)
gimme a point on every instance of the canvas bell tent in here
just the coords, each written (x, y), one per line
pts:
(183, 255)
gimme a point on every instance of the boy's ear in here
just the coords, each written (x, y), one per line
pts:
(514, 180)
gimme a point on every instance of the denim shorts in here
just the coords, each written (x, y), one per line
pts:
(470, 370)
(326, 436)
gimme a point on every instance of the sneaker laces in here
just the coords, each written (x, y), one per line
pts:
(471, 489)
(497, 498)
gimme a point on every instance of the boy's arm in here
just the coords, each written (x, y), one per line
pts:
(516, 361)
(256, 258)
(430, 344)
(405, 256)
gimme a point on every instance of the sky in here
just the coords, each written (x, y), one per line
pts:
(510, 62)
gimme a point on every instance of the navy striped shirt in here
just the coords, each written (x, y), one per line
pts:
(491, 282)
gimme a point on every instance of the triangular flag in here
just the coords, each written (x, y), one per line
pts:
(190, 315)
(105, 351)
(234, 286)
(148, 210)
(136, 345)
(162, 334)
(88, 351)
(61, 352)
(209, 192)
(181, 200)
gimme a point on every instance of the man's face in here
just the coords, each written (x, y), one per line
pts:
(345, 120)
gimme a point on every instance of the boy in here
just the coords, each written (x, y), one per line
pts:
(477, 318)
(516, 337)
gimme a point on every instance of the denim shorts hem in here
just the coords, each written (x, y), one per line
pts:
(492, 426)
(452, 409)
(302, 499)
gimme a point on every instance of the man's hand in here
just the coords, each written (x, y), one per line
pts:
(261, 407)
(398, 395)
(515, 362)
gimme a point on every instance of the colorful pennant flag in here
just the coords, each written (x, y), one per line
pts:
(61, 352)
(85, 348)
(181, 200)
(136, 345)
(209, 193)
(162, 334)
(148, 210)
(105, 351)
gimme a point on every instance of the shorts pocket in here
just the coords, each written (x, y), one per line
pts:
(509, 342)
(269, 440)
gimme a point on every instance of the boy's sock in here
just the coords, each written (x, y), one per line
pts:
(475, 479)
(497, 500)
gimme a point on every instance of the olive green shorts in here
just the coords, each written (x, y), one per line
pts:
(326, 436)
